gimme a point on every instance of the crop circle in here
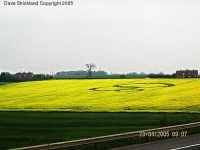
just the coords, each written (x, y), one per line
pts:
(132, 87)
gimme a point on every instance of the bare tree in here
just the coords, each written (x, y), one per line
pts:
(90, 67)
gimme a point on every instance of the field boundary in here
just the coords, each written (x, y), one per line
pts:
(107, 138)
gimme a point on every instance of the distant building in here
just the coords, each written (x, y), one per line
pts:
(23, 75)
(187, 73)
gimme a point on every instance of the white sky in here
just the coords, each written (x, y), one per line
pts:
(116, 35)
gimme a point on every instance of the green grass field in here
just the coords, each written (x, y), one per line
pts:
(20, 129)
(103, 95)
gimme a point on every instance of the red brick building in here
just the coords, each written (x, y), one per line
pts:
(187, 73)
(23, 75)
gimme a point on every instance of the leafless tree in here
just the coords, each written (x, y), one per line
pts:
(90, 67)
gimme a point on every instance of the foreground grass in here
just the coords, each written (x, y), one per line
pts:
(105, 95)
(19, 129)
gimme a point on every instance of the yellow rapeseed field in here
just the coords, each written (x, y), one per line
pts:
(103, 95)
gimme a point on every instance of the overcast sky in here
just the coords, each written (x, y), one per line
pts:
(116, 35)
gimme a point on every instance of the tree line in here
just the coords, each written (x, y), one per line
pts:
(152, 75)
(8, 77)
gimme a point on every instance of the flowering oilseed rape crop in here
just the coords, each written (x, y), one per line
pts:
(103, 95)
